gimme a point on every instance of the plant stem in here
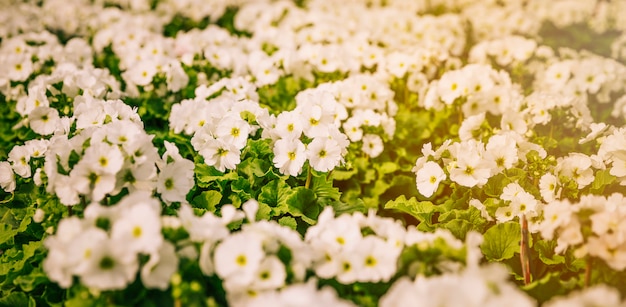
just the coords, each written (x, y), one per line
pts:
(588, 272)
(308, 177)
(524, 250)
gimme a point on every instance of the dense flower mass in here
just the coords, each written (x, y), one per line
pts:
(313, 152)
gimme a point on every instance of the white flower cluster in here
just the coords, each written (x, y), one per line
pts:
(470, 163)
(103, 248)
(563, 220)
(597, 295)
(472, 285)
(475, 286)
(341, 249)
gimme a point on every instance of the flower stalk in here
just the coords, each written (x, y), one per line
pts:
(524, 252)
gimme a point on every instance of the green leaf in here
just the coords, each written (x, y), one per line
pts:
(208, 174)
(6, 233)
(459, 227)
(546, 287)
(339, 174)
(501, 241)
(323, 188)
(253, 168)
(264, 213)
(275, 194)
(386, 168)
(545, 249)
(380, 187)
(302, 203)
(422, 210)
(288, 221)
(17, 299)
(31, 281)
(208, 200)
(602, 179)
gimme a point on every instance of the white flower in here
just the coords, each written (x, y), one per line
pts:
(452, 85)
(238, 258)
(158, 271)
(289, 156)
(58, 265)
(556, 214)
(65, 190)
(471, 125)
(270, 275)
(428, 178)
(7, 177)
(505, 214)
(378, 262)
(19, 156)
(220, 154)
(44, 120)
(141, 73)
(469, 170)
(597, 295)
(352, 128)
(233, 130)
(350, 265)
(289, 125)
(176, 180)
(578, 167)
(502, 151)
(302, 295)
(548, 185)
(112, 266)
(610, 249)
(104, 157)
(88, 180)
(323, 154)
(140, 227)
(372, 145)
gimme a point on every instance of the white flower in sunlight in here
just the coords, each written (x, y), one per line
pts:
(176, 180)
(289, 156)
(470, 169)
(452, 85)
(372, 145)
(324, 154)
(471, 125)
(141, 73)
(548, 185)
(378, 262)
(352, 129)
(111, 266)
(220, 154)
(43, 120)
(502, 151)
(19, 156)
(289, 125)
(597, 295)
(233, 130)
(87, 179)
(158, 271)
(270, 275)
(428, 178)
(7, 177)
(238, 258)
(505, 214)
(104, 157)
(140, 227)
(576, 166)
(58, 264)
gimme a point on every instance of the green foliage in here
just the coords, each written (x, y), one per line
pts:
(501, 241)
